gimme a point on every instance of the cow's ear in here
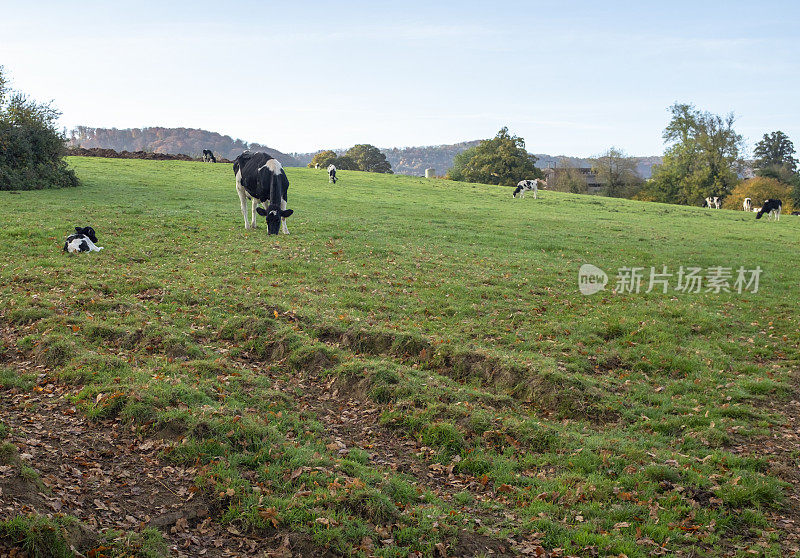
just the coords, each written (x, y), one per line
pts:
(287, 212)
(261, 211)
(78, 230)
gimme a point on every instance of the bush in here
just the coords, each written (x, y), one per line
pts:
(759, 189)
(31, 149)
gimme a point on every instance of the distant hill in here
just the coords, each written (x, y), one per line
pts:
(187, 141)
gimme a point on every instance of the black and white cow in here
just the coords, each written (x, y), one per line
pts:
(208, 156)
(82, 241)
(332, 174)
(526, 185)
(747, 205)
(712, 203)
(772, 207)
(261, 179)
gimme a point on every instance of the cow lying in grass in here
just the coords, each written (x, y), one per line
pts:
(82, 241)
(262, 180)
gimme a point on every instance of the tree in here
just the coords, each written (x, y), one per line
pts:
(322, 159)
(775, 157)
(345, 163)
(31, 148)
(501, 160)
(759, 189)
(617, 173)
(369, 158)
(702, 159)
(568, 178)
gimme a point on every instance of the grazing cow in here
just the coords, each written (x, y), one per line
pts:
(526, 185)
(331, 174)
(82, 241)
(748, 204)
(771, 207)
(208, 156)
(262, 180)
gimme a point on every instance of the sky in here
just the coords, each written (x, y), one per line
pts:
(571, 78)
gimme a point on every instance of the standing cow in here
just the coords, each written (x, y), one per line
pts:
(331, 174)
(262, 180)
(527, 185)
(208, 156)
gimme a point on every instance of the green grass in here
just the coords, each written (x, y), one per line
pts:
(452, 306)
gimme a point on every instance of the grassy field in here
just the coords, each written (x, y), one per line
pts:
(541, 419)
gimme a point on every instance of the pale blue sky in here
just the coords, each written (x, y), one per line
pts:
(570, 77)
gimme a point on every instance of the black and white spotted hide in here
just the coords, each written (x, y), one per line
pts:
(261, 179)
(332, 174)
(526, 186)
(772, 208)
(83, 240)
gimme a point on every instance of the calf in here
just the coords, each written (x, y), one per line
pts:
(82, 241)
(772, 207)
(208, 156)
(262, 180)
(331, 174)
(748, 204)
(526, 185)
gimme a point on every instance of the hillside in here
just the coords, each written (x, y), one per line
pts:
(186, 141)
(377, 385)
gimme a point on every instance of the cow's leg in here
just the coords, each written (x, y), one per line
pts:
(535, 191)
(253, 206)
(243, 202)
(283, 219)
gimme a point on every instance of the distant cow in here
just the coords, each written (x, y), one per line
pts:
(331, 174)
(773, 208)
(747, 205)
(208, 156)
(527, 185)
(262, 180)
(82, 241)
(712, 203)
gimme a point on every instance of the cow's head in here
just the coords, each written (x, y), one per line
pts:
(88, 232)
(274, 214)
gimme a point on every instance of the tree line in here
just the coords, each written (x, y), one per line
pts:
(703, 158)
(363, 157)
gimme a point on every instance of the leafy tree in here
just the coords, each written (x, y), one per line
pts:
(322, 159)
(775, 150)
(369, 158)
(702, 159)
(345, 163)
(568, 178)
(759, 189)
(501, 160)
(775, 158)
(31, 148)
(617, 173)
